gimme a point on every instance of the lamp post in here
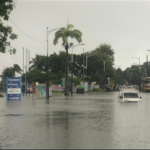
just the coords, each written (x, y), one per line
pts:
(72, 51)
(47, 85)
(147, 65)
(105, 63)
(139, 72)
(108, 81)
(131, 74)
(72, 64)
(87, 56)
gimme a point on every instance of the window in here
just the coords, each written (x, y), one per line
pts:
(131, 95)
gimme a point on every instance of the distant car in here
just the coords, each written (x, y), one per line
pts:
(129, 95)
(30, 90)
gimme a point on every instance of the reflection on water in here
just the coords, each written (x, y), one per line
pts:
(86, 122)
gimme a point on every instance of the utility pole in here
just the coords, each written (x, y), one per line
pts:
(23, 67)
(26, 73)
(47, 89)
(28, 70)
(83, 67)
(147, 67)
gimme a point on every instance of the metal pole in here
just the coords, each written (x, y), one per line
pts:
(139, 64)
(4, 80)
(147, 67)
(72, 82)
(29, 60)
(23, 67)
(72, 75)
(47, 69)
(72, 56)
(28, 70)
(139, 75)
(104, 65)
(25, 82)
(3, 77)
(26, 74)
(86, 61)
(83, 67)
(23, 60)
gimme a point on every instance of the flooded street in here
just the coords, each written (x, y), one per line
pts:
(90, 121)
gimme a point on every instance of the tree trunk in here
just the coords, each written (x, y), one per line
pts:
(66, 73)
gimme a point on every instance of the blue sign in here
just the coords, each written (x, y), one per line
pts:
(70, 87)
(14, 91)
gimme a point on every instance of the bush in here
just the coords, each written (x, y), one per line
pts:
(1, 95)
(56, 82)
(77, 81)
(80, 87)
(98, 90)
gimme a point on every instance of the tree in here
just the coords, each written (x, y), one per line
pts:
(106, 49)
(16, 68)
(64, 33)
(39, 62)
(10, 71)
(6, 32)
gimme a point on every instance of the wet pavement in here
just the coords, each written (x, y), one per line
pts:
(90, 121)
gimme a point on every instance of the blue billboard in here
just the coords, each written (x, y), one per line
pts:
(14, 91)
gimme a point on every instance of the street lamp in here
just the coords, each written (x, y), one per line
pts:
(137, 59)
(139, 72)
(147, 64)
(72, 51)
(47, 87)
(108, 81)
(72, 64)
(105, 62)
(87, 56)
(131, 73)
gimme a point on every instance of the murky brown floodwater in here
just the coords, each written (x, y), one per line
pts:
(78, 122)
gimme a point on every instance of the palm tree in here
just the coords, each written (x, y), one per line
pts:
(16, 68)
(38, 63)
(64, 33)
(10, 71)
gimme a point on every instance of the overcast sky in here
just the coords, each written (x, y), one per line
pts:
(125, 25)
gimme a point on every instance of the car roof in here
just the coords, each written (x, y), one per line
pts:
(129, 91)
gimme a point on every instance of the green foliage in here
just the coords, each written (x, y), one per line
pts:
(10, 71)
(106, 49)
(64, 34)
(133, 75)
(98, 90)
(80, 87)
(40, 76)
(57, 82)
(6, 6)
(76, 81)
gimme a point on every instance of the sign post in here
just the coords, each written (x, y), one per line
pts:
(14, 91)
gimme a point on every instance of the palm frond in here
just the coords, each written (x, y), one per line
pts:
(58, 35)
(70, 26)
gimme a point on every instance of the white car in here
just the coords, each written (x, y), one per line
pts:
(129, 95)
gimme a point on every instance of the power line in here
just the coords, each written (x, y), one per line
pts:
(24, 32)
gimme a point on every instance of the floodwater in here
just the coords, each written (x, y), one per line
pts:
(90, 121)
